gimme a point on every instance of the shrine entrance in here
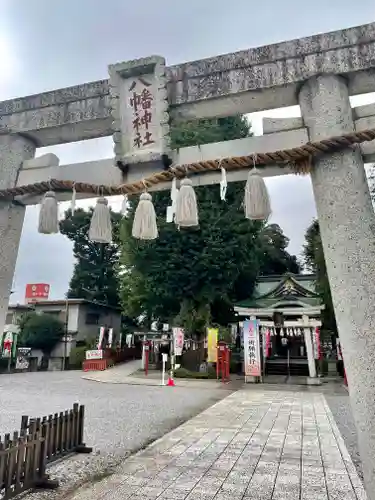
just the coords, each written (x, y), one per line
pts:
(331, 141)
(288, 311)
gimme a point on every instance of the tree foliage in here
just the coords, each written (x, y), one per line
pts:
(186, 271)
(315, 262)
(275, 259)
(198, 132)
(95, 271)
(40, 331)
(193, 276)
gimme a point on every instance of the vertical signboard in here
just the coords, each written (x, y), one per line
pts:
(316, 344)
(99, 344)
(8, 342)
(110, 337)
(178, 341)
(266, 342)
(251, 348)
(212, 336)
(23, 358)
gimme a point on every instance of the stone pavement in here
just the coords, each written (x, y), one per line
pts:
(251, 445)
(128, 373)
(114, 374)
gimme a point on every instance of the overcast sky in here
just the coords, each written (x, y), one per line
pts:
(48, 44)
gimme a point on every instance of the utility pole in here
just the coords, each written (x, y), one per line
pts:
(63, 367)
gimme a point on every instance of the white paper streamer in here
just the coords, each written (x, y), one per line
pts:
(73, 202)
(223, 184)
(124, 204)
(171, 210)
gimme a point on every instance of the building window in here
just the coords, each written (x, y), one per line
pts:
(54, 314)
(92, 318)
(9, 319)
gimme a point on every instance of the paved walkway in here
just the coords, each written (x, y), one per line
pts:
(251, 445)
(114, 374)
(128, 373)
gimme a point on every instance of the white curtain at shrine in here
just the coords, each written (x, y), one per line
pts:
(289, 331)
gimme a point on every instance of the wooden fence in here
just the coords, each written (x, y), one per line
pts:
(41, 441)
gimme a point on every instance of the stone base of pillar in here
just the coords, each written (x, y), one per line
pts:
(313, 381)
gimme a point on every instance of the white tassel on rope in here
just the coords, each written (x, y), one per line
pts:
(257, 201)
(186, 205)
(144, 224)
(223, 184)
(101, 224)
(49, 214)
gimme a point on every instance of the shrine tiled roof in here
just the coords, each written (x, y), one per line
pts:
(286, 290)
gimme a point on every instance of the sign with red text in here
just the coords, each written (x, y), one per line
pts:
(94, 354)
(36, 291)
(251, 348)
(316, 344)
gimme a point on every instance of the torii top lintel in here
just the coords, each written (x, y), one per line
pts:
(242, 82)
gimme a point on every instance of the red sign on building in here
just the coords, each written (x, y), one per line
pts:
(36, 291)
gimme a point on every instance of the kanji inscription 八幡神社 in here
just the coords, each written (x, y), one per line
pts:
(139, 110)
(141, 102)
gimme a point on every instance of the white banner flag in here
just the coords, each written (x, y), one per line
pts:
(178, 341)
(251, 348)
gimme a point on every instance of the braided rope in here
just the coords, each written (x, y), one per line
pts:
(299, 159)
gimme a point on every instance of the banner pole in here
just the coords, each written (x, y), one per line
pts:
(163, 370)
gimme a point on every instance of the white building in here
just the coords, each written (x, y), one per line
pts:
(84, 320)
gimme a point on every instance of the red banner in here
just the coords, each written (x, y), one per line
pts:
(318, 352)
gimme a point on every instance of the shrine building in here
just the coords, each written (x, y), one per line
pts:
(286, 306)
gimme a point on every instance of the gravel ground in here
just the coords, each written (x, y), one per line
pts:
(120, 419)
(341, 410)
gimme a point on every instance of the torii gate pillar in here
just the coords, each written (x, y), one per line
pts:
(14, 149)
(347, 223)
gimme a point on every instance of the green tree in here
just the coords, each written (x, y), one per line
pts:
(275, 257)
(315, 263)
(183, 272)
(196, 275)
(40, 331)
(198, 132)
(95, 271)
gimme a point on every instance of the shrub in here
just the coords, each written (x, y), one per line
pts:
(77, 357)
(40, 331)
(184, 373)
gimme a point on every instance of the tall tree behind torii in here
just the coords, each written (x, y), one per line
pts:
(197, 274)
(315, 262)
(95, 270)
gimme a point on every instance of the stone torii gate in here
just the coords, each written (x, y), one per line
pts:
(135, 106)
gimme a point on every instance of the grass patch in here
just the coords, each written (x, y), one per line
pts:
(184, 373)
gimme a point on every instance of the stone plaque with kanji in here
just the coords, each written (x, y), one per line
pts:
(140, 110)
